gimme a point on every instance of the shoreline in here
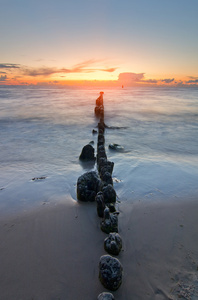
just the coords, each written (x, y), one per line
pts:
(53, 252)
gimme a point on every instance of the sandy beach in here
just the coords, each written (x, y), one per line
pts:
(50, 243)
(53, 252)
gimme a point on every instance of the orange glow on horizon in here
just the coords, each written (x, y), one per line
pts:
(100, 79)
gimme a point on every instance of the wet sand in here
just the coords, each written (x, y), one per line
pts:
(52, 253)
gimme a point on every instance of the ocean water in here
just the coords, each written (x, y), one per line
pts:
(43, 130)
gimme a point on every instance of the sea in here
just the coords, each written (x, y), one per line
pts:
(44, 128)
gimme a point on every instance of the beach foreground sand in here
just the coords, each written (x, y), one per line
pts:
(52, 253)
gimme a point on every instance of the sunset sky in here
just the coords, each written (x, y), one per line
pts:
(130, 42)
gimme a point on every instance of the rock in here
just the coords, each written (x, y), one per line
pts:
(109, 222)
(101, 131)
(99, 111)
(101, 154)
(39, 178)
(113, 243)
(99, 100)
(116, 147)
(88, 185)
(106, 296)
(111, 207)
(94, 131)
(101, 127)
(107, 178)
(110, 272)
(109, 194)
(101, 148)
(107, 165)
(100, 204)
(101, 162)
(101, 139)
(87, 153)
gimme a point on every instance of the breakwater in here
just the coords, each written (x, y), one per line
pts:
(98, 186)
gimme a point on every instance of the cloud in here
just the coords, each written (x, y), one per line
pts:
(3, 77)
(87, 63)
(83, 67)
(150, 81)
(193, 77)
(40, 71)
(180, 83)
(192, 81)
(87, 66)
(9, 66)
(17, 71)
(168, 80)
(109, 70)
(132, 78)
(46, 71)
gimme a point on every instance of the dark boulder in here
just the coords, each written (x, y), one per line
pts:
(87, 153)
(110, 272)
(88, 185)
(109, 194)
(106, 296)
(109, 222)
(113, 243)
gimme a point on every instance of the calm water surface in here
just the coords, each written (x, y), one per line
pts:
(43, 129)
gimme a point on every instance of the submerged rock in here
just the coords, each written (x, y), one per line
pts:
(113, 243)
(39, 178)
(109, 222)
(94, 131)
(87, 153)
(88, 185)
(109, 194)
(110, 272)
(106, 296)
(116, 147)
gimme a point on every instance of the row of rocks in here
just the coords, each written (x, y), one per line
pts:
(110, 268)
(98, 186)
